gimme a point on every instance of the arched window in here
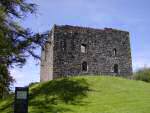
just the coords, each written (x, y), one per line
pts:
(116, 68)
(84, 66)
(115, 51)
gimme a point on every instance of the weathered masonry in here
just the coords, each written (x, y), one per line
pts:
(74, 50)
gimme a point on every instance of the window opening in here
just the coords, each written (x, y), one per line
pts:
(84, 66)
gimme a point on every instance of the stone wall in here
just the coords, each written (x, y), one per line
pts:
(46, 71)
(104, 48)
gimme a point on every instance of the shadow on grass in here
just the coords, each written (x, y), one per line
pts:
(46, 97)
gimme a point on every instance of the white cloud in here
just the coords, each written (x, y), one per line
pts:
(16, 73)
(24, 76)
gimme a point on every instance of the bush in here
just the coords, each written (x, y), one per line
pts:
(142, 74)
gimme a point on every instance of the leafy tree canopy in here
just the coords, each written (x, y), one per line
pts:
(16, 42)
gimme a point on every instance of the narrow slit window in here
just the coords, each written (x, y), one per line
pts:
(45, 52)
(83, 48)
(63, 45)
(73, 44)
(115, 51)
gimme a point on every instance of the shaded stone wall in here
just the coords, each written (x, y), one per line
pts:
(46, 71)
(104, 49)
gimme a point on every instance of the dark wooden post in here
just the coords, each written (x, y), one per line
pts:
(21, 100)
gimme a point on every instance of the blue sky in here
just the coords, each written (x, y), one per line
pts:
(130, 15)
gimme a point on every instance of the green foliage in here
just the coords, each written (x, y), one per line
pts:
(17, 43)
(142, 74)
(6, 105)
(5, 81)
(90, 94)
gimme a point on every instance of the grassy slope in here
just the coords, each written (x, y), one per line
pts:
(87, 95)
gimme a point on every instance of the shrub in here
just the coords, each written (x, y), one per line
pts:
(142, 74)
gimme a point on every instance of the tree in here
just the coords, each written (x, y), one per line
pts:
(16, 42)
(5, 81)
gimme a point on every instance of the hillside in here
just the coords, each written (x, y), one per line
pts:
(87, 94)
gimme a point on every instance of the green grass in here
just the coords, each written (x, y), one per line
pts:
(87, 94)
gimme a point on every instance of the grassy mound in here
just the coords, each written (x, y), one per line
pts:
(90, 94)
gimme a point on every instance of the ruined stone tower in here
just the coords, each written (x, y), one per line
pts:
(74, 50)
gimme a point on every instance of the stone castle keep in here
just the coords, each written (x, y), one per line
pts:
(74, 50)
